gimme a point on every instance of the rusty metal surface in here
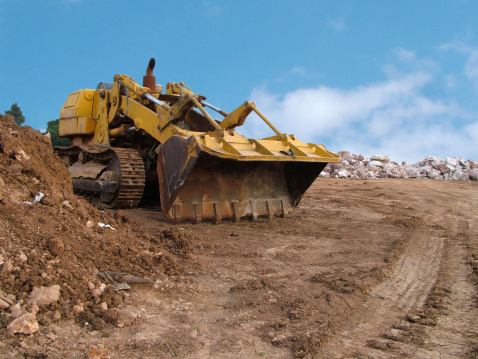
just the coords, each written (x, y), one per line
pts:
(86, 170)
(195, 185)
(175, 161)
(94, 186)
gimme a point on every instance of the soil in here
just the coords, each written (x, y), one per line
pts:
(360, 269)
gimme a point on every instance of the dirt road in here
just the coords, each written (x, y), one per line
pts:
(376, 269)
(365, 269)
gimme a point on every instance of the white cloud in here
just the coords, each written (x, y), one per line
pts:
(405, 55)
(297, 70)
(392, 117)
(470, 68)
(450, 81)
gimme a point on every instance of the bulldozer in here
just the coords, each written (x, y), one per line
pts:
(129, 142)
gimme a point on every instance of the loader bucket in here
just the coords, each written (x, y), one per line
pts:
(196, 184)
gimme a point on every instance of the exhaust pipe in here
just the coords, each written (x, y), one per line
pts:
(149, 80)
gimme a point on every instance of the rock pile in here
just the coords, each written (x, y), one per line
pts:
(379, 166)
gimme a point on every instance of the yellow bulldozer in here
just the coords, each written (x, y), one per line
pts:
(129, 142)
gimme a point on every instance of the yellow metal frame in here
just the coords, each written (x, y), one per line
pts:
(96, 116)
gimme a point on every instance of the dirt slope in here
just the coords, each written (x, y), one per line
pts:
(367, 269)
(49, 236)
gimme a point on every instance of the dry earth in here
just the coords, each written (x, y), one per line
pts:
(361, 269)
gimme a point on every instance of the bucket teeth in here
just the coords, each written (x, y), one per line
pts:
(254, 209)
(217, 213)
(197, 213)
(233, 210)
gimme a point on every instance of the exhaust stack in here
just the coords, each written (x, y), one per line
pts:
(149, 80)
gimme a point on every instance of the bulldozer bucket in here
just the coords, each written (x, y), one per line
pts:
(198, 184)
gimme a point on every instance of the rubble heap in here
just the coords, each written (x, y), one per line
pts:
(379, 166)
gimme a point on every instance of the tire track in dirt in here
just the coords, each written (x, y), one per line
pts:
(455, 332)
(438, 254)
(406, 289)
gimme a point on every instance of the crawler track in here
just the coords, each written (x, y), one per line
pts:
(128, 165)
(132, 178)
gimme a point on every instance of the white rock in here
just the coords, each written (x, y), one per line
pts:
(95, 293)
(7, 268)
(380, 167)
(412, 171)
(456, 175)
(375, 163)
(343, 174)
(20, 155)
(45, 295)
(432, 158)
(77, 309)
(452, 162)
(26, 324)
(279, 339)
(371, 175)
(361, 173)
(425, 169)
(3, 305)
(434, 174)
(464, 164)
(67, 204)
(393, 169)
(451, 168)
(473, 174)
(380, 158)
(16, 312)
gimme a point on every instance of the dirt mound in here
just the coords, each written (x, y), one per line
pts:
(50, 238)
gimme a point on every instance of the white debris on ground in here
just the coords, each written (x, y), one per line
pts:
(104, 225)
(379, 166)
(39, 197)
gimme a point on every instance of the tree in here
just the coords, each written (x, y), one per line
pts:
(53, 128)
(16, 113)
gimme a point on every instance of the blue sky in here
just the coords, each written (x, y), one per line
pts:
(370, 77)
